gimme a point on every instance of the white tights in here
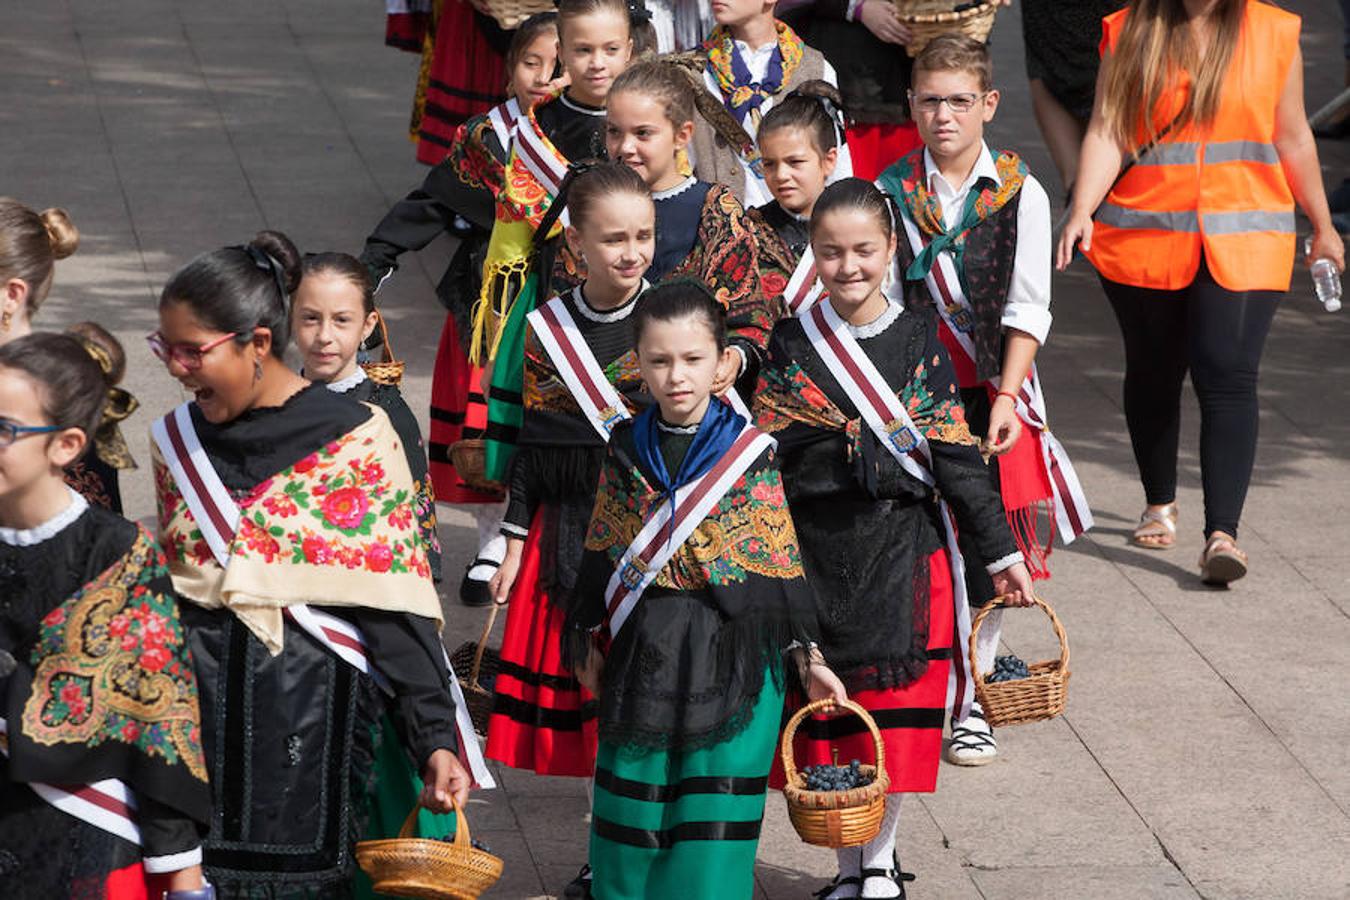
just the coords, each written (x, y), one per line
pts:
(877, 853)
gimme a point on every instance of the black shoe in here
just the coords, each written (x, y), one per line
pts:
(579, 888)
(473, 592)
(839, 881)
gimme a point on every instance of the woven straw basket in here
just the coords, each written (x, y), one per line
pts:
(835, 818)
(478, 661)
(1039, 696)
(926, 19)
(408, 866)
(469, 457)
(510, 13)
(388, 370)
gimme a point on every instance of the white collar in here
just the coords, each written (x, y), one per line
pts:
(746, 50)
(610, 315)
(880, 323)
(984, 168)
(665, 426)
(343, 385)
(675, 191)
(577, 107)
(27, 537)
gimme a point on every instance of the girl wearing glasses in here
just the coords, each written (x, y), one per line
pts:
(30, 244)
(97, 693)
(289, 519)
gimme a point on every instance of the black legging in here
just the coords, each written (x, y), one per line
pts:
(1218, 334)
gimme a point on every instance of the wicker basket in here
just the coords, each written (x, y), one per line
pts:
(469, 457)
(408, 866)
(388, 370)
(1039, 696)
(478, 661)
(835, 818)
(510, 13)
(926, 19)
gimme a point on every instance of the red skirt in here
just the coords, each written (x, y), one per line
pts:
(458, 411)
(873, 147)
(542, 718)
(909, 718)
(467, 78)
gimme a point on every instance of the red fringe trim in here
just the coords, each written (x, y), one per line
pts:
(1023, 523)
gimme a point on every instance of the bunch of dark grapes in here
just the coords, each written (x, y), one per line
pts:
(836, 778)
(474, 842)
(1008, 668)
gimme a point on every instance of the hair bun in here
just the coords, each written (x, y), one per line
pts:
(279, 247)
(61, 232)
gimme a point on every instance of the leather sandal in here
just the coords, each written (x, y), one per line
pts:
(1222, 562)
(1157, 529)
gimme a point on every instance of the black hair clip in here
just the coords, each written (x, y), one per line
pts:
(267, 263)
(638, 13)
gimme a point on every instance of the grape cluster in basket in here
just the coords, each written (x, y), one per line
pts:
(1008, 668)
(836, 778)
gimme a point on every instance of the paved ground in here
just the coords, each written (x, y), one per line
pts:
(1206, 749)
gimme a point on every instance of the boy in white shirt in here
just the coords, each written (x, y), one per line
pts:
(753, 60)
(975, 247)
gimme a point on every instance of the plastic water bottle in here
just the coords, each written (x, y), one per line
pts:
(1326, 280)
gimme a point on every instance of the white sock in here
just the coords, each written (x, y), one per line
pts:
(879, 853)
(491, 543)
(986, 642)
(850, 866)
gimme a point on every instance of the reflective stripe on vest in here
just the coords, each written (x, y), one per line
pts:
(1186, 153)
(1240, 222)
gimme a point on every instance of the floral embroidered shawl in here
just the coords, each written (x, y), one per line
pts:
(337, 528)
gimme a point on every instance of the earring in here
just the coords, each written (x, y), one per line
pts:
(682, 162)
(5, 320)
(257, 370)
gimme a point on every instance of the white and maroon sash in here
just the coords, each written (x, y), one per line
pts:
(107, 804)
(1073, 515)
(503, 118)
(666, 531)
(217, 516)
(883, 412)
(803, 288)
(581, 372)
(541, 158)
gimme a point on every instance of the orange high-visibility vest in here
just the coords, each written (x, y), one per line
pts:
(1219, 187)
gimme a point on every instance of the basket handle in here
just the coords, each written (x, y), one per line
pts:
(387, 351)
(785, 749)
(1002, 600)
(482, 645)
(409, 828)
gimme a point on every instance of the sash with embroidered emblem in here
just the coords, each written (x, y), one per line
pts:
(366, 539)
(503, 118)
(600, 403)
(879, 406)
(672, 524)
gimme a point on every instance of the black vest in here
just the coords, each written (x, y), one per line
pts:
(991, 250)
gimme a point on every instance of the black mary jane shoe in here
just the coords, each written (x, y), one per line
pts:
(472, 592)
(895, 875)
(839, 881)
(579, 888)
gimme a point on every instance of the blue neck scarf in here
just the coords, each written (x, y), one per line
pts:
(716, 433)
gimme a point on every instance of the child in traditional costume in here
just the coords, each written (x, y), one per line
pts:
(457, 198)
(332, 314)
(102, 776)
(289, 516)
(595, 43)
(30, 245)
(580, 378)
(863, 400)
(799, 145)
(461, 76)
(95, 475)
(690, 593)
(753, 61)
(701, 229)
(975, 248)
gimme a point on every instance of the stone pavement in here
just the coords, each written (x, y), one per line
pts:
(1206, 748)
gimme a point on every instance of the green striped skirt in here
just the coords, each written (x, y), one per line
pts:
(669, 825)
